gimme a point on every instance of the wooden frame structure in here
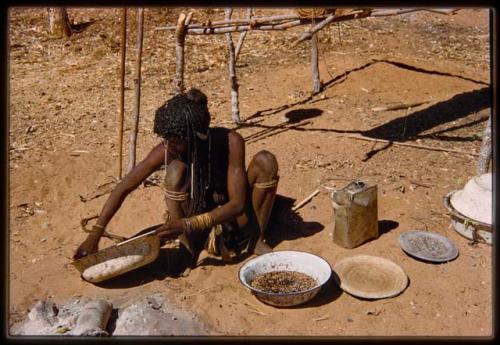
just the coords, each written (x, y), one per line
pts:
(318, 19)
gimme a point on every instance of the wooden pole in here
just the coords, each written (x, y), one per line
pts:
(180, 35)
(122, 91)
(59, 25)
(137, 96)
(483, 163)
(242, 37)
(238, 21)
(315, 64)
(235, 111)
(242, 28)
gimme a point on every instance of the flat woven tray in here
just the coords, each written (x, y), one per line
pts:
(370, 277)
(147, 246)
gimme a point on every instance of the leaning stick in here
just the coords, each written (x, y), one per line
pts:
(315, 28)
(399, 106)
(235, 111)
(242, 38)
(385, 13)
(306, 200)
(137, 96)
(288, 25)
(314, 65)
(398, 143)
(122, 91)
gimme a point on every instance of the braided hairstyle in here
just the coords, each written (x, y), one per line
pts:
(185, 116)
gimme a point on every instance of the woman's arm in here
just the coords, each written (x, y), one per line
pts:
(128, 184)
(236, 187)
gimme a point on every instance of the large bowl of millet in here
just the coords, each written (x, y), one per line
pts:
(285, 278)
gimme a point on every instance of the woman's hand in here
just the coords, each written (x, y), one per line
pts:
(170, 229)
(89, 246)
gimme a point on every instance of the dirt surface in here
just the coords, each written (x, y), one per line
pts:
(64, 102)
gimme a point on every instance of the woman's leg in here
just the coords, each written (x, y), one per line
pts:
(263, 182)
(176, 185)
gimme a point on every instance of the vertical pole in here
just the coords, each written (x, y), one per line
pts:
(122, 91)
(235, 111)
(242, 37)
(180, 35)
(137, 96)
(483, 163)
(314, 62)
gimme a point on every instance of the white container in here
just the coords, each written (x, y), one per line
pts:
(471, 209)
(475, 200)
(307, 263)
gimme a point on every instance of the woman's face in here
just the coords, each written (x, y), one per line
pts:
(176, 146)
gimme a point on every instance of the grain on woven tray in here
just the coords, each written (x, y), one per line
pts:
(429, 245)
(131, 258)
(283, 282)
(111, 267)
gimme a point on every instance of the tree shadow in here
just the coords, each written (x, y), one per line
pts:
(282, 232)
(298, 115)
(408, 127)
(295, 119)
(404, 128)
(79, 27)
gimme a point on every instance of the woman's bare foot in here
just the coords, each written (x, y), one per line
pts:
(262, 248)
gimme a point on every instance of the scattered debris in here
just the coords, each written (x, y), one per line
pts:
(321, 318)
(399, 106)
(101, 190)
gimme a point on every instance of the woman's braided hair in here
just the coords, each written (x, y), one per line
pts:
(185, 116)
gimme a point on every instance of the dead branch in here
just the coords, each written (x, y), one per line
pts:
(399, 106)
(306, 200)
(288, 25)
(137, 95)
(277, 22)
(385, 13)
(101, 190)
(397, 143)
(84, 222)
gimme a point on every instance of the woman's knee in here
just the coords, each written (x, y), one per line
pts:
(175, 178)
(265, 162)
(262, 167)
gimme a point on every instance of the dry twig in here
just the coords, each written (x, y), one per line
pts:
(306, 200)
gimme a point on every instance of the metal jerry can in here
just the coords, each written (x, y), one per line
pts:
(356, 214)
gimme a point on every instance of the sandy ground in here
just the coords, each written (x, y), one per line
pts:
(64, 97)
